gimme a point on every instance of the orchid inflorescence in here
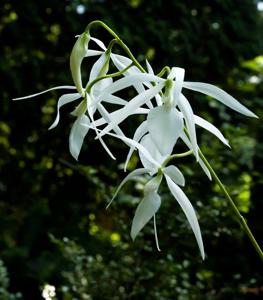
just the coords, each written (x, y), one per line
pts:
(168, 118)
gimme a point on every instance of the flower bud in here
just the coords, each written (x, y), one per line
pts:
(79, 51)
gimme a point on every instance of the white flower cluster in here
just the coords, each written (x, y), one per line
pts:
(168, 117)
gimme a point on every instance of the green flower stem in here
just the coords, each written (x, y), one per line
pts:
(179, 155)
(164, 70)
(107, 76)
(119, 41)
(240, 218)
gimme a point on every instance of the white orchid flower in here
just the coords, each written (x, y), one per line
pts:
(151, 201)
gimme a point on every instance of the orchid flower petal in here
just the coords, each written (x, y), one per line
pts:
(211, 128)
(90, 112)
(200, 162)
(220, 95)
(179, 79)
(188, 210)
(146, 209)
(114, 100)
(165, 126)
(129, 81)
(130, 176)
(77, 135)
(114, 114)
(104, 113)
(64, 99)
(91, 52)
(131, 106)
(188, 114)
(135, 144)
(99, 43)
(67, 87)
(139, 133)
(175, 174)
(96, 68)
(149, 67)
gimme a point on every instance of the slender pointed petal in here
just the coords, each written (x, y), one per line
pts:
(187, 111)
(130, 176)
(99, 43)
(77, 135)
(90, 111)
(96, 68)
(220, 95)
(165, 126)
(67, 87)
(205, 169)
(104, 113)
(144, 212)
(130, 81)
(188, 210)
(131, 106)
(133, 143)
(64, 99)
(211, 128)
(91, 52)
(201, 163)
(179, 79)
(139, 133)
(175, 174)
(149, 67)
(115, 114)
(114, 100)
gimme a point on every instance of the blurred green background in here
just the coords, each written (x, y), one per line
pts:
(54, 226)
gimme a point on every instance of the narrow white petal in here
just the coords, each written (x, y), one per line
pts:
(77, 135)
(135, 144)
(67, 87)
(64, 99)
(187, 111)
(114, 100)
(219, 95)
(139, 133)
(90, 111)
(132, 105)
(175, 174)
(201, 163)
(149, 67)
(96, 68)
(179, 79)
(165, 126)
(104, 113)
(99, 43)
(130, 81)
(146, 209)
(115, 114)
(188, 210)
(93, 53)
(130, 176)
(205, 169)
(211, 128)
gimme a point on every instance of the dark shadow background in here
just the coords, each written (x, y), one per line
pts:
(54, 226)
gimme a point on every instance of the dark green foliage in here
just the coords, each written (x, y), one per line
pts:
(54, 226)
